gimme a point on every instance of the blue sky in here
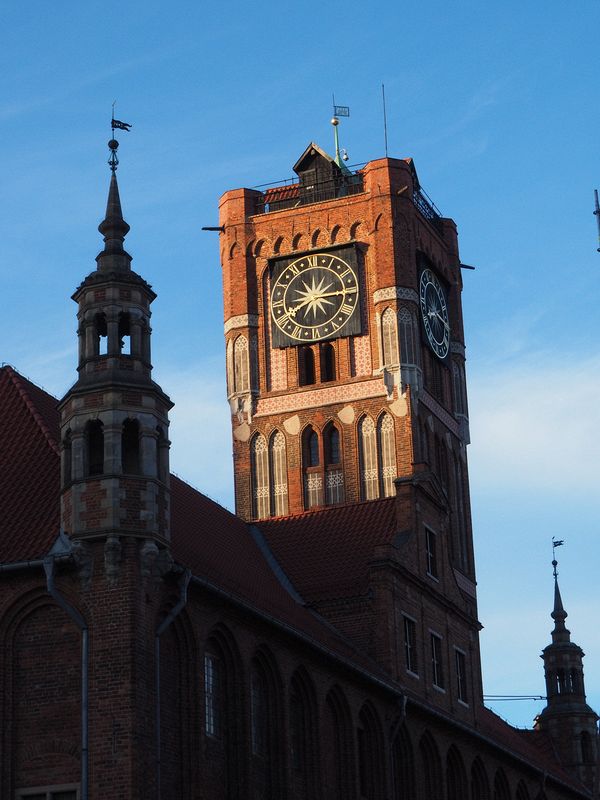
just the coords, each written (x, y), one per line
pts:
(498, 106)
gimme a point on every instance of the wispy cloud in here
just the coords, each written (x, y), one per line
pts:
(536, 424)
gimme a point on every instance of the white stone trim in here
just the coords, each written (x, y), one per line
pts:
(395, 293)
(241, 321)
(283, 404)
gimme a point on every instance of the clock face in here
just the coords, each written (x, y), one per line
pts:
(313, 298)
(434, 312)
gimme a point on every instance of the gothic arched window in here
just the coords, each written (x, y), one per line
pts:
(94, 439)
(334, 473)
(230, 371)
(370, 748)
(214, 694)
(408, 340)
(389, 336)
(241, 365)
(456, 777)
(66, 459)
(130, 447)
(501, 788)
(278, 465)
(327, 359)
(480, 787)
(306, 366)
(260, 477)
(368, 459)
(430, 769)
(403, 766)
(265, 728)
(522, 792)
(339, 782)
(304, 757)
(313, 475)
(386, 442)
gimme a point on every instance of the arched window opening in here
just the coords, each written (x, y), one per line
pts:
(456, 777)
(66, 459)
(313, 476)
(501, 787)
(241, 365)
(574, 683)
(403, 766)
(95, 447)
(229, 370)
(370, 748)
(327, 356)
(480, 787)
(408, 342)
(387, 455)
(334, 473)
(101, 335)
(162, 455)
(130, 447)
(223, 711)
(259, 713)
(367, 442)
(522, 792)
(587, 752)
(265, 729)
(339, 783)
(306, 366)
(278, 468)
(303, 751)
(389, 335)
(124, 334)
(260, 477)
(561, 682)
(430, 769)
(213, 695)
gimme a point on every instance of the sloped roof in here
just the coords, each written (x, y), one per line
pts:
(326, 552)
(29, 469)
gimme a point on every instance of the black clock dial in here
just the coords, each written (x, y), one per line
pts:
(313, 298)
(434, 313)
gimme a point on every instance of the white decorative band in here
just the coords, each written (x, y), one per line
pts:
(243, 321)
(395, 293)
(361, 390)
(458, 348)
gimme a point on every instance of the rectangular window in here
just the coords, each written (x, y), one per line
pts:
(461, 676)
(56, 793)
(431, 551)
(410, 645)
(437, 670)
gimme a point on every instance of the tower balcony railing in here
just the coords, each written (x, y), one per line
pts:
(292, 193)
(285, 194)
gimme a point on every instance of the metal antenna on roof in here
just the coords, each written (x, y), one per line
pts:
(384, 120)
(597, 215)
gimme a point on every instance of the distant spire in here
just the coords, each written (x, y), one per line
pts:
(559, 615)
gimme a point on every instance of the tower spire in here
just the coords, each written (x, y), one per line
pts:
(559, 615)
(113, 227)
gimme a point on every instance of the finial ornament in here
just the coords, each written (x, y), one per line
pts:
(113, 145)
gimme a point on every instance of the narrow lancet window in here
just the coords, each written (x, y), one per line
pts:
(94, 435)
(130, 447)
(368, 459)
(100, 335)
(125, 334)
(260, 477)
(390, 338)
(334, 473)
(387, 455)
(241, 365)
(327, 357)
(278, 464)
(306, 366)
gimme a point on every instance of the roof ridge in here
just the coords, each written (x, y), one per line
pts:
(19, 382)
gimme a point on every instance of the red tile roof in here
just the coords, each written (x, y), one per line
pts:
(326, 552)
(29, 469)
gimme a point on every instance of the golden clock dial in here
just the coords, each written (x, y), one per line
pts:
(315, 297)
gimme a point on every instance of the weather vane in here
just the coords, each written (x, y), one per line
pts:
(556, 543)
(113, 145)
(338, 111)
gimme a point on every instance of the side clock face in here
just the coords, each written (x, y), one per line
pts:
(313, 298)
(434, 312)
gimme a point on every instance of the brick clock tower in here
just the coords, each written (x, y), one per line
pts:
(344, 336)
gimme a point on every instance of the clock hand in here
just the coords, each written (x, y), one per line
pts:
(319, 296)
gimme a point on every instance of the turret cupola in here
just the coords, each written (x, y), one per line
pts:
(571, 723)
(114, 420)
